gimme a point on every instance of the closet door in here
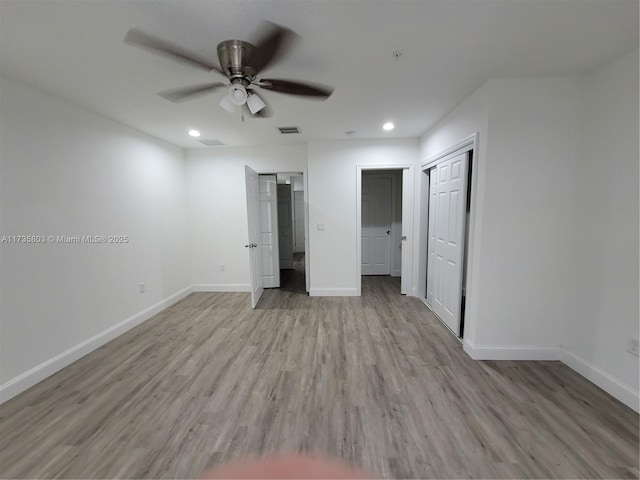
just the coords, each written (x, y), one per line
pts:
(447, 209)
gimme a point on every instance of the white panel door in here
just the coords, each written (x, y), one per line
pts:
(376, 226)
(298, 221)
(253, 219)
(446, 246)
(269, 231)
(285, 229)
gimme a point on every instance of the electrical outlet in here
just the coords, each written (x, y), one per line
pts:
(222, 267)
(634, 347)
(142, 288)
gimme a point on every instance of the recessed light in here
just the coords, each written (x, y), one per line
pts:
(194, 133)
(388, 126)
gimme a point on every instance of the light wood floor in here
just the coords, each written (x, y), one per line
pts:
(375, 380)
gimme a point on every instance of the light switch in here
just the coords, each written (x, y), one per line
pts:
(321, 227)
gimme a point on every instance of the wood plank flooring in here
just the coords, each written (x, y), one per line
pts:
(374, 380)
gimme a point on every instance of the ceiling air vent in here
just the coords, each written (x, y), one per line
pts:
(287, 130)
(212, 142)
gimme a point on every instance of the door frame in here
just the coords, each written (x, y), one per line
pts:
(468, 144)
(408, 185)
(303, 172)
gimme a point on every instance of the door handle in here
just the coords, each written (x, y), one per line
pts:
(247, 246)
(388, 232)
(254, 245)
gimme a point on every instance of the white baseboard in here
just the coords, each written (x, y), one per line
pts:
(602, 379)
(510, 352)
(38, 373)
(222, 287)
(333, 292)
(608, 383)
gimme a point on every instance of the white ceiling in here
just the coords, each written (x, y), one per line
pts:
(75, 50)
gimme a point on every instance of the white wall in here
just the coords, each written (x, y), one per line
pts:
(218, 209)
(528, 139)
(471, 116)
(555, 245)
(606, 240)
(66, 171)
(527, 227)
(333, 201)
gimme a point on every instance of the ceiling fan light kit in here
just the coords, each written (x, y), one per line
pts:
(255, 103)
(238, 94)
(241, 62)
(227, 104)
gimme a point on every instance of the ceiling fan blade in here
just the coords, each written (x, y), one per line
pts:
(272, 44)
(186, 93)
(140, 39)
(296, 88)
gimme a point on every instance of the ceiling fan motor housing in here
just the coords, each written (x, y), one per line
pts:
(233, 56)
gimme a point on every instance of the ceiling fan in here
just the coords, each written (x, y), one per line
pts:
(241, 62)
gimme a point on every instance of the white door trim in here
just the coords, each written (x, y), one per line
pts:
(465, 145)
(407, 220)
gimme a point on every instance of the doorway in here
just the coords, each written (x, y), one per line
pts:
(384, 217)
(271, 220)
(381, 223)
(291, 232)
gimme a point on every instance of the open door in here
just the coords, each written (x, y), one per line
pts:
(254, 244)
